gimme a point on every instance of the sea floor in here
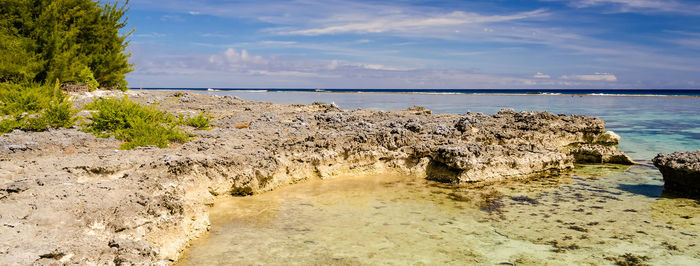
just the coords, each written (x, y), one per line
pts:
(597, 214)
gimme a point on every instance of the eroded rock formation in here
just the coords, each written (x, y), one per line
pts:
(66, 196)
(681, 171)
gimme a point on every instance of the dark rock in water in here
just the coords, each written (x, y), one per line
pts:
(681, 171)
(525, 199)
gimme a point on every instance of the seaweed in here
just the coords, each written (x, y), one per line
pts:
(578, 228)
(525, 199)
(629, 259)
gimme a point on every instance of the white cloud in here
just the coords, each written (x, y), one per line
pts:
(194, 13)
(591, 77)
(642, 6)
(239, 68)
(404, 22)
(232, 57)
(278, 43)
(215, 35)
(151, 35)
(286, 73)
(540, 75)
(382, 67)
(171, 18)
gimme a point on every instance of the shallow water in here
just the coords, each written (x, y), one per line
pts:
(598, 214)
(594, 215)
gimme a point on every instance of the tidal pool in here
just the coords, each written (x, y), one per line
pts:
(597, 214)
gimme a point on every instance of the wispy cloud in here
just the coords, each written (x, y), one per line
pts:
(592, 77)
(150, 35)
(239, 68)
(171, 18)
(407, 22)
(685, 39)
(393, 43)
(641, 6)
(215, 35)
(540, 75)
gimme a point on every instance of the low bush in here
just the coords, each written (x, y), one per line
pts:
(201, 121)
(34, 107)
(135, 124)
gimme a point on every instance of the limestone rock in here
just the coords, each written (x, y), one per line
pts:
(608, 138)
(681, 171)
(598, 153)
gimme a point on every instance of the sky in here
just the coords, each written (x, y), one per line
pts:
(585, 44)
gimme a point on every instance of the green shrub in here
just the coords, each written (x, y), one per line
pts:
(59, 114)
(17, 99)
(9, 124)
(86, 77)
(145, 133)
(201, 121)
(34, 107)
(135, 124)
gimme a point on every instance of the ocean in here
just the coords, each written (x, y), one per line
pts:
(612, 92)
(599, 214)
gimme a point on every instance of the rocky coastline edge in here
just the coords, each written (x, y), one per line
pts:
(69, 197)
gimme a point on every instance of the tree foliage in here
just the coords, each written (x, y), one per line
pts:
(45, 40)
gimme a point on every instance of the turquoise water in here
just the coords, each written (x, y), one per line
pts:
(648, 125)
(596, 215)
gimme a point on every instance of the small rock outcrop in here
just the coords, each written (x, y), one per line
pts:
(681, 171)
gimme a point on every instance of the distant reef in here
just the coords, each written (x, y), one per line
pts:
(67, 196)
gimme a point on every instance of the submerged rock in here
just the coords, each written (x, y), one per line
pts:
(681, 171)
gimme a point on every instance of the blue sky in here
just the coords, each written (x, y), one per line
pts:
(415, 44)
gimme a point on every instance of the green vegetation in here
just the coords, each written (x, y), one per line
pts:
(201, 121)
(136, 124)
(75, 41)
(41, 41)
(86, 77)
(79, 42)
(34, 107)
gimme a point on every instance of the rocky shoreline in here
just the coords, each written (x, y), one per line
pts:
(67, 196)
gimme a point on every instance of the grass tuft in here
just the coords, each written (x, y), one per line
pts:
(201, 121)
